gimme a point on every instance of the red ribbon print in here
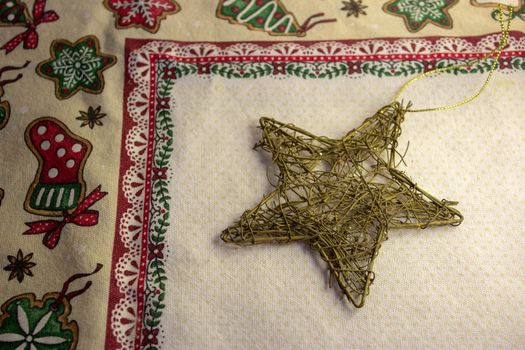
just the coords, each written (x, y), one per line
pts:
(81, 217)
(30, 36)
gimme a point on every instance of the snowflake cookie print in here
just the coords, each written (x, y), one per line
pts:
(59, 188)
(418, 13)
(270, 16)
(145, 14)
(77, 66)
(27, 323)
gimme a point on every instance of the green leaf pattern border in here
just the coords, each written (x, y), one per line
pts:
(137, 302)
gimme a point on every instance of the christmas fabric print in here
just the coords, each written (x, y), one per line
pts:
(81, 216)
(59, 182)
(516, 4)
(145, 14)
(20, 266)
(269, 16)
(76, 66)
(91, 117)
(417, 14)
(14, 13)
(59, 187)
(5, 107)
(29, 323)
(517, 13)
(354, 8)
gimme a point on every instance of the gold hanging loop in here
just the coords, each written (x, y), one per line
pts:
(504, 38)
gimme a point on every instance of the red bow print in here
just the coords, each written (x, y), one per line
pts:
(81, 217)
(30, 36)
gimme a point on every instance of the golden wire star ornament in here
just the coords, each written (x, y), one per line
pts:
(340, 196)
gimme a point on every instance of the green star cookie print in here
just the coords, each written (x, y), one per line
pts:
(28, 323)
(76, 66)
(418, 13)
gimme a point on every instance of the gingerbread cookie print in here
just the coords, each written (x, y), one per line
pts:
(270, 16)
(77, 66)
(417, 14)
(13, 13)
(59, 182)
(59, 188)
(30, 323)
(145, 14)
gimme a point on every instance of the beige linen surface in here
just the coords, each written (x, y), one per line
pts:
(436, 288)
(448, 287)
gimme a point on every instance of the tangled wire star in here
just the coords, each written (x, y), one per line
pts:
(340, 196)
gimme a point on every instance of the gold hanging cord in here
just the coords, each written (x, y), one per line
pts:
(504, 37)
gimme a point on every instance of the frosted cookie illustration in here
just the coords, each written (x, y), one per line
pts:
(417, 14)
(14, 13)
(59, 188)
(145, 14)
(59, 182)
(77, 66)
(270, 16)
(27, 322)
